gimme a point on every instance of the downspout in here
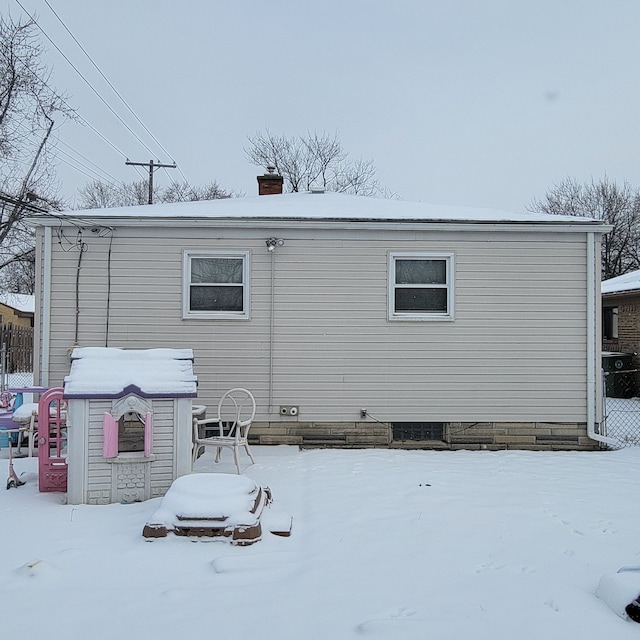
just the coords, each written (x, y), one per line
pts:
(271, 322)
(46, 308)
(272, 244)
(592, 265)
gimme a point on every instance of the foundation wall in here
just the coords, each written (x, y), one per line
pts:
(493, 436)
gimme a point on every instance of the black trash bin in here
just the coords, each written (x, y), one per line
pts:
(620, 376)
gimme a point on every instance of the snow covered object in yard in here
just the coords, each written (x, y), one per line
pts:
(621, 591)
(129, 422)
(212, 505)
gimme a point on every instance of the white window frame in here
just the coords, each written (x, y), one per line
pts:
(188, 313)
(449, 259)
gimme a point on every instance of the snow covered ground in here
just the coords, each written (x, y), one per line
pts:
(385, 544)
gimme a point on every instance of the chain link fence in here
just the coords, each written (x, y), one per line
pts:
(621, 409)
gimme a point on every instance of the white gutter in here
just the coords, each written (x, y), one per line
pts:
(46, 308)
(592, 350)
(261, 223)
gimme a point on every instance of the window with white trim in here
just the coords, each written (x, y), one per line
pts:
(420, 286)
(216, 285)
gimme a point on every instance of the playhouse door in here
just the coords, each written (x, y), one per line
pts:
(52, 442)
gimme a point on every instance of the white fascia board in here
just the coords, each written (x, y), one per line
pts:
(310, 223)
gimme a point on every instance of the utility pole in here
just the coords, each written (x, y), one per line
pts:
(152, 167)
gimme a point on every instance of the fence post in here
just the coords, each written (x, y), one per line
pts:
(3, 367)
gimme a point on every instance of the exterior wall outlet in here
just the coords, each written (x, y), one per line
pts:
(288, 410)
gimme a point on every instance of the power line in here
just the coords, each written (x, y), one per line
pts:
(98, 133)
(126, 104)
(85, 170)
(25, 205)
(83, 120)
(109, 143)
(113, 88)
(88, 124)
(76, 115)
(99, 169)
(19, 126)
(133, 133)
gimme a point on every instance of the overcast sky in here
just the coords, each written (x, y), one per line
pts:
(485, 103)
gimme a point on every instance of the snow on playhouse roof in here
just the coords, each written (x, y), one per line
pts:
(327, 207)
(621, 284)
(105, 372)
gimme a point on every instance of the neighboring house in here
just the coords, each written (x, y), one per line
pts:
(354, 321)
(16, 333)
(17, 309)
(621, 313)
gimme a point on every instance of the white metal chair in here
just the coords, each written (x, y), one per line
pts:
(26, 415)
(236, 411)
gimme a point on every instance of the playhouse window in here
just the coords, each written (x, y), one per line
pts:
(420, 286)
(130, 433)
(216, 285)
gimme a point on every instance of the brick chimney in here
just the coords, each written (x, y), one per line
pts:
(270, 183)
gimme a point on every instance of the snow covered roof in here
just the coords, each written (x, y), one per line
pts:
(105, 372)
(626, 282)
(311, 206)
(18, 301)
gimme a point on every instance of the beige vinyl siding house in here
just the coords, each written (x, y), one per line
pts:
(450, 327)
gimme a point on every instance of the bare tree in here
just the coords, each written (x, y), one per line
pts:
(618, 206)
(184, 192)
(135, 193)
(19, 276)
(27, 109)
(97, 195)
(357, 177)
(317, 160)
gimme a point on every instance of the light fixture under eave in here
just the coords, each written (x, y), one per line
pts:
(272, 243)
(101, 232)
